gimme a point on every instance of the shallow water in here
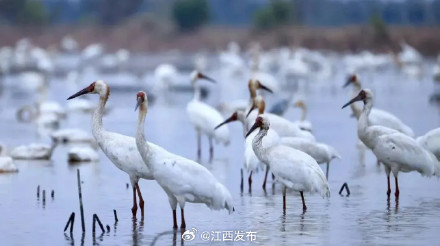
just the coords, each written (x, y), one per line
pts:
(363, 218)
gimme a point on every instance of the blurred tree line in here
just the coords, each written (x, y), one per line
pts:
(190, 14)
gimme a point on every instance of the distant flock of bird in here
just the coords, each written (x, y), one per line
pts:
(287, 149)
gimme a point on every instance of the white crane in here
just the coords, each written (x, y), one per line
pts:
(34, 151)
(431, 141)
(120, 149)
(82, 154)
(294, 169)
(377, 116)
(251, 161)
(205, 118)
(397, 151)
(280, 125)
(322, 153)
(6, 163)
(183, 180)
(302, 122)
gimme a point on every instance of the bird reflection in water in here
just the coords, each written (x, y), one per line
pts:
(137, 231)
(177, 236)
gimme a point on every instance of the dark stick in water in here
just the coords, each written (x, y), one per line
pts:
(345, 185)
(96, 218)
(80, 201)
(70, 222)
(38, 191)
(116, 215)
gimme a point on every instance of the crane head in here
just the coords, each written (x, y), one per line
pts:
(362, 96)
(260, 122)
(195, 75)
(97, 87)
(141, 97)
(351, 79)
(255, 84)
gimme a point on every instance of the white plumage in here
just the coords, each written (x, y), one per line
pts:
(7, 165)
(205, 118)
(397, 151)
(280, 125)
(322, 153)
(120, 149)
(377, 116)
(72, 135)
(431, 141)
(82, 154)
(33, 151)
(251, 161)
(183, 180)
(293, 168)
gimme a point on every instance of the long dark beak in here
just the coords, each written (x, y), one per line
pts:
(139, 102)
(357, 98)
(250, 110)
(80, 93)
(255, 126)
(202, 76)
(347, 83)
(265, 88)
(230, 119)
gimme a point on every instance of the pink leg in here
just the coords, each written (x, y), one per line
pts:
(141, 200)
(183, 225)
(134, 208)
(174, 219)
(397, 188)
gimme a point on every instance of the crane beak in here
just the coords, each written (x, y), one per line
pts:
(139, 102)
(202, 76)
(265, 88)
(348, 82)
(80, 93)
(254, 126)
(250, 110)
(230, 119)
(357, 98)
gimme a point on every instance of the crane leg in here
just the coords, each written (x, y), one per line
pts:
(241, 183)
(211, 149)
(389, 188)
(397, 188)
(250, 182)
(134, 208)
(304, 202)
(141, 200)
(174, 219)
(265, 178)
(326, 172)
(199, 145)
(273, 177)
(183, 225)
(284, 198)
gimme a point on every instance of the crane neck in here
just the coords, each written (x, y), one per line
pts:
(197, 92)
(363, 118)
(141, 142)
(303, 112)
(257, 145)
(252, 92)
(355, 109)
(242, 118)
(97, 128)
